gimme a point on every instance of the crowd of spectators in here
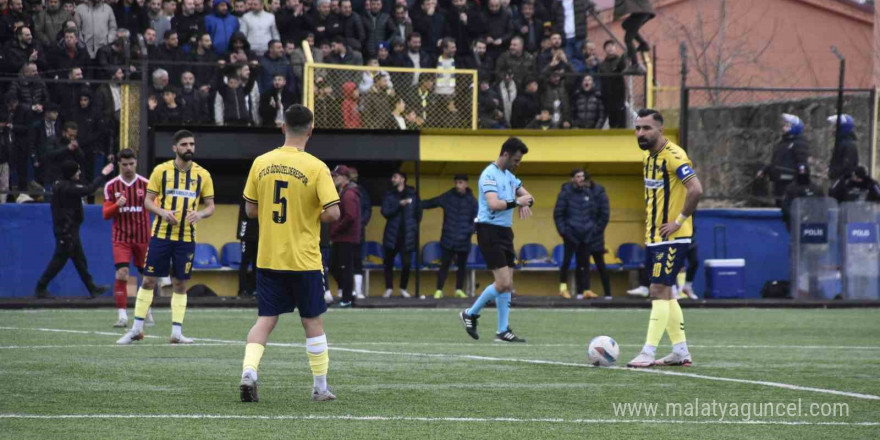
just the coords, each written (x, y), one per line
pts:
(241, 63)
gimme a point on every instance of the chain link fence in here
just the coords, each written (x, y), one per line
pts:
(731, 133)
(357, 97)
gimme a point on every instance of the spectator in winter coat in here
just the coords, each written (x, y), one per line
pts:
(193, 101)
(239, 50)
(206, 71)
(791, 152)
(528, 27)
(465, 25)
(49, 22)
(30, 89)
(589, 111)
(323, 22)
(274, 63)
(845, 157)
(525, 106)
(91, 136)
(69, 53)
(431, 24)
(400, 207)
(515, 60)
(613, 85)
(156, 18)
(97, 23)
(22, 50)
(274, 101)
(376, 103)
(459, 211)
(57, 151)
(351, 118)
(507, 93)
(352, 26)
(403, 26)
(189, 25)
(345, 233)
(499, 28)
(291, 22)
(9, 17)
(19, 135)
(259, 27)
(167, 111)
(221, 25)
(857, 186)
(575, 216)
(378, 26)
(477, 60)
(169, 56)
(554, 96)
(232, 96)
(130, 15)
(570, 21)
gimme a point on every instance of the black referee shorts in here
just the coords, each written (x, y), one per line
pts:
(496, 245)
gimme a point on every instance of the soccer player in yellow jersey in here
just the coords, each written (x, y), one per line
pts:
(173, 194)
(290, 192)
(672, 191)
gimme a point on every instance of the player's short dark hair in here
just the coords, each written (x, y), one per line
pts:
(608, 43)
(182, 134)
(512, 145)
(298, 119)
(126, 153)
(575, 172)
(654, 114)
(70, 125)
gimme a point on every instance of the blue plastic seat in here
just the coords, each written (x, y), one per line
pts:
(631, 256)
(475, 259)
(206, 257)
(230, 255)
(373, 255)
(432, 254)
(559, 255)
(535, 255)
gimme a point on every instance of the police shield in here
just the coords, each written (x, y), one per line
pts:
(814, 249)
(860, 250)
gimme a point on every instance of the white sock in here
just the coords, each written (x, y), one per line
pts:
(249, 372)
(176, 330)
(681, 349)
(122, 314)
(137, 326)
(649, 349)
(320, 383)
(689, 285)
(358, 283)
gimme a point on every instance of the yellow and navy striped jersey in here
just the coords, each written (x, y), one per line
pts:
(665, 174)
(179, 191)
(291, 188)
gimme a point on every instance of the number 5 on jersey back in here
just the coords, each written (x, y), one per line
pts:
(280, 216)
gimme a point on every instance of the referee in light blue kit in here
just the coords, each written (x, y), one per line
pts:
(500, 193)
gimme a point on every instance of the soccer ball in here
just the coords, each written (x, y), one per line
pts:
(603, 351)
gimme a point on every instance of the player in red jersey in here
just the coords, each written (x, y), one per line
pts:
(124, 203)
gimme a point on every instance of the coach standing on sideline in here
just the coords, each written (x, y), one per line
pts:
(459, 212)
(400, 207)
(248, 232)
(67, 216)
(574, 215)
(345, 233)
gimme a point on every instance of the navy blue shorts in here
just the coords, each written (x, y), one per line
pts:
(167, 257)
(667, 260)
(281, 292)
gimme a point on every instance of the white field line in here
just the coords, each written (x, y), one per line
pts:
(528, 361)
(430, 419)
(38, 347)
(460, 344)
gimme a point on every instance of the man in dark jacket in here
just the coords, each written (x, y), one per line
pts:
(459, 211)
(366, 214)
(791, 151)
(613, 85)
(58, 150)
(19, 120)
(275, 100)
(400, 207)
(857, 186)
(575, 217)
(67, 216)
(639, 12)
(188, 25)
(91, 136)
(378, 26)
(588, 109)
(274, 63)
(525, 106)
(248, 233)
(69, 53)
(845, 157)
(345, 234)
(465, 24)
(597, 245)
(499, 28)
(169, 56)
(352, 26)
(516, 60)
(801, 187)
(430, 22)
(577, 11)
(22, 50)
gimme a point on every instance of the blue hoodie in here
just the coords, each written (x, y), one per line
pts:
(221, 27)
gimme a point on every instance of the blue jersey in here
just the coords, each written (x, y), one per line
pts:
(505, 184)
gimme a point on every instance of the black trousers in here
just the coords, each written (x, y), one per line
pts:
(342, 267)
(581, 252)
(631, 25)
(358, 261)
(247, 277)
(599, 258)
(388, 263)
(67, 248)
(446, 261)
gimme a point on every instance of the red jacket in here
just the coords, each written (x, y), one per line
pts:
(351, 118)
(348, 228)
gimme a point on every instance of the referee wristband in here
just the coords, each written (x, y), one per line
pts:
(511, 204)
(681, 219)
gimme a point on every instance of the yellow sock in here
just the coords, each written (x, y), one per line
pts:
(319, 357)
(178, 307)
(143, 303)
(253, 352)
(659, 319)
(675, 325)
